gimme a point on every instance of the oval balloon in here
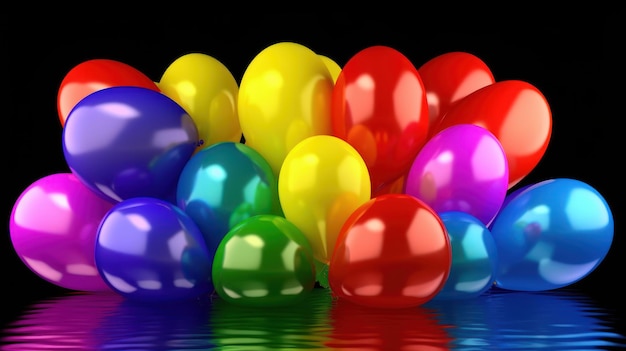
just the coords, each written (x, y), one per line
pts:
(53, 229)
(450, 77)
(393, 252)
(322, 181)
(93, 75)
(125, 142)
(207, 90)
(551, 235)
(284, 97)
(518, 115)
(149, 250)
(379, 107)
(463, 168)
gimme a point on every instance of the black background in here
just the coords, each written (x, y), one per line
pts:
(568, 59)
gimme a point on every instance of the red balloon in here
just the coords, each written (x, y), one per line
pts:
(379, 107)
(392, 252)
(93, 75)
(450, 77)
(517, 113)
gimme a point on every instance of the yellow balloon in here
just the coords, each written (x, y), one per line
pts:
(284, 97)
(207, 90)
(322, 181)
(333, 67)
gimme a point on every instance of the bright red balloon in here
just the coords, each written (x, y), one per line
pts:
(93, 75)
(392, 252)
(379, 107)
(517, 113)
(450, 77)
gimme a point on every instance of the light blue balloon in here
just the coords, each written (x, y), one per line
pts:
(474, 257)
(551, 235)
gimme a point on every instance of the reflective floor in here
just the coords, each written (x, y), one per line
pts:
(498, 320)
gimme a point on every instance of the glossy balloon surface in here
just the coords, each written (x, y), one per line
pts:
(379, 107)
(149, 250)
(474, 257)
(333, 67)
(207, 90)
(322, 181)
(552, 234)
(224, 184)
(264, 261)
(53, 227)
(93, 75)
(125, 142)
(392, 252)
(463, 168)
(284, 97)
(517, 113)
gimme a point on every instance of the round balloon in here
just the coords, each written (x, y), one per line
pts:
(322, 181)
(463, 168)
(392, 252)
(93, 75)
(207, 90)
(125, 142)
(551, 235)
(53, 227)
(147, 249)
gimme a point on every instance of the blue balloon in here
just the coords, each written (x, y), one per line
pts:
(474, 257)
(224, 184)
(148, 249)
(551, 234)
(125, 142)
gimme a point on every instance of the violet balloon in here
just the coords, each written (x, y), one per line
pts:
(125, 142)
(53, 227)
(462, 168)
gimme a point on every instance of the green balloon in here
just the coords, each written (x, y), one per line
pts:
(264, 261)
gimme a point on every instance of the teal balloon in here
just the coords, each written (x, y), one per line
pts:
(224, 184)
(551, 235)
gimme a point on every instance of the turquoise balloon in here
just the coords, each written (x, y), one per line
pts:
(224, 184)
(474, 257)
(551, 234)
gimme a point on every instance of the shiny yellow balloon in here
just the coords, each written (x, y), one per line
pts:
(333, 67)
(284, 97)
(207, 90)
(322, 181)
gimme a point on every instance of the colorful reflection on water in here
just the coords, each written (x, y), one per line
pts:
(497, 320)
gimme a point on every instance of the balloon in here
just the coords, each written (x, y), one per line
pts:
(207, 90)
(518, 115)
(93, 75)
(463, 168)
(53, 229)
(284, 97)
(125, 142)
(264, 261)
(392, 252)
(450, 77)
(379, 107)
(147, 249)
(333, 67)
(474, 257)
(224, 184)
(550, 235)
(322, 181)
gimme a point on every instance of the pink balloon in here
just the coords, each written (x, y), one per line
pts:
(462, 168)
(53, 229)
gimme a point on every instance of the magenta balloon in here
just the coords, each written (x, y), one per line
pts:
(53, 229)
(462, 168)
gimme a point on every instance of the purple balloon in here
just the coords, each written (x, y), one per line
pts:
(125, 142)
(462, 168)
(53, 229)
(149, 249)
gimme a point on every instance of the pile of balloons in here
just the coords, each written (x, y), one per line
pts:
(389, 184)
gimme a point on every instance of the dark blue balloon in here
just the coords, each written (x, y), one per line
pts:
(148, 249)
(125, 142)
(551, 234)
